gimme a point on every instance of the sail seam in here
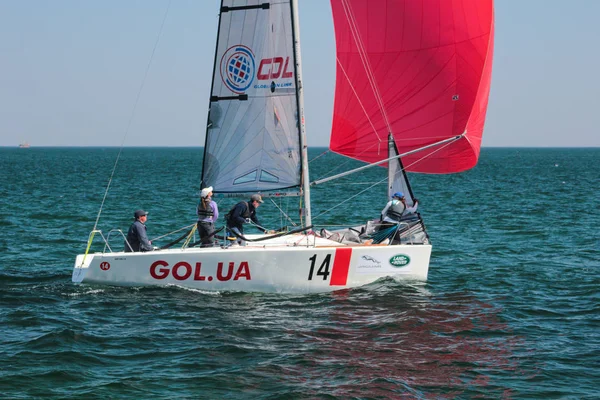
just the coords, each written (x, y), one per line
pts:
(362, 52)
(365, 61)
(357, 98)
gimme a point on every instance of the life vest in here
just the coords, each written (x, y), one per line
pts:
(245, 214)
(396, 210)
(205, 213)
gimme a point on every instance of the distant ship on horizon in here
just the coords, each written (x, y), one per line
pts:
(24, 145)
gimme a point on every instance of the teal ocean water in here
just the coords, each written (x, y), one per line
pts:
(511, 308)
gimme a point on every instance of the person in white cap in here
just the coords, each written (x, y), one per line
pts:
(242, 213)
(137, 238)
(208, 213)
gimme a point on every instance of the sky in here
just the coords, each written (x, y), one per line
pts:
(71, 71)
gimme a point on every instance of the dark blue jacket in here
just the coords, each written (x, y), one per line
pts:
(236, 218)
(137, 238)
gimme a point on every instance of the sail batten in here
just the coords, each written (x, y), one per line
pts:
(420, 69)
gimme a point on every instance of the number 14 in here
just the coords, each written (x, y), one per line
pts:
(323, 269)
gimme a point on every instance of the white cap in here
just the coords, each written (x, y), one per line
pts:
(206, 191)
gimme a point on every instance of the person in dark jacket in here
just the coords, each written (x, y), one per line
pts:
(137, 238)
(242, 213)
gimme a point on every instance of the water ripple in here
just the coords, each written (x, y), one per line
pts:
(510, 310)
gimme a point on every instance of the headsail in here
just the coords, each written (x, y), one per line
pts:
(252, 135)
(420, 69)
(397, 179)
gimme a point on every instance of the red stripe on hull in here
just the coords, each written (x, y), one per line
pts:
(341, 264)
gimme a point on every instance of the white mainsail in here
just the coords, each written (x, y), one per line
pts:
(253, 135)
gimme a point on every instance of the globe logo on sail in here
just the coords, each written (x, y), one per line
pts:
(238, 68)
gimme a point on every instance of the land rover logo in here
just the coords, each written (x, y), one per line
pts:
(400, 260)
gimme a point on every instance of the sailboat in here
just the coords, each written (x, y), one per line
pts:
(412, 86)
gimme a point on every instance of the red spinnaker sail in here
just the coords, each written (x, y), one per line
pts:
(418, 68)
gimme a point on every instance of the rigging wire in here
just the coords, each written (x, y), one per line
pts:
(358, 98)
(365, 61)
(381, 181)
(319, 156)
(137, 99)
(283, 213)
(175, 231)
(349, 183)
(371, 78)
(341, 165)
(338, 166)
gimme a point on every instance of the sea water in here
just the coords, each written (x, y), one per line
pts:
(511, 308)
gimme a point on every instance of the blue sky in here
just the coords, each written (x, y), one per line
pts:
(70, 72)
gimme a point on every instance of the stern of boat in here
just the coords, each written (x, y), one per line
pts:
(81, 267)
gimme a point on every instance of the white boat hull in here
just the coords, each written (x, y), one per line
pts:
(290, 265)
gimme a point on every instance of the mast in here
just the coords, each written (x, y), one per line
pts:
(300, 99)
(212, 86)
